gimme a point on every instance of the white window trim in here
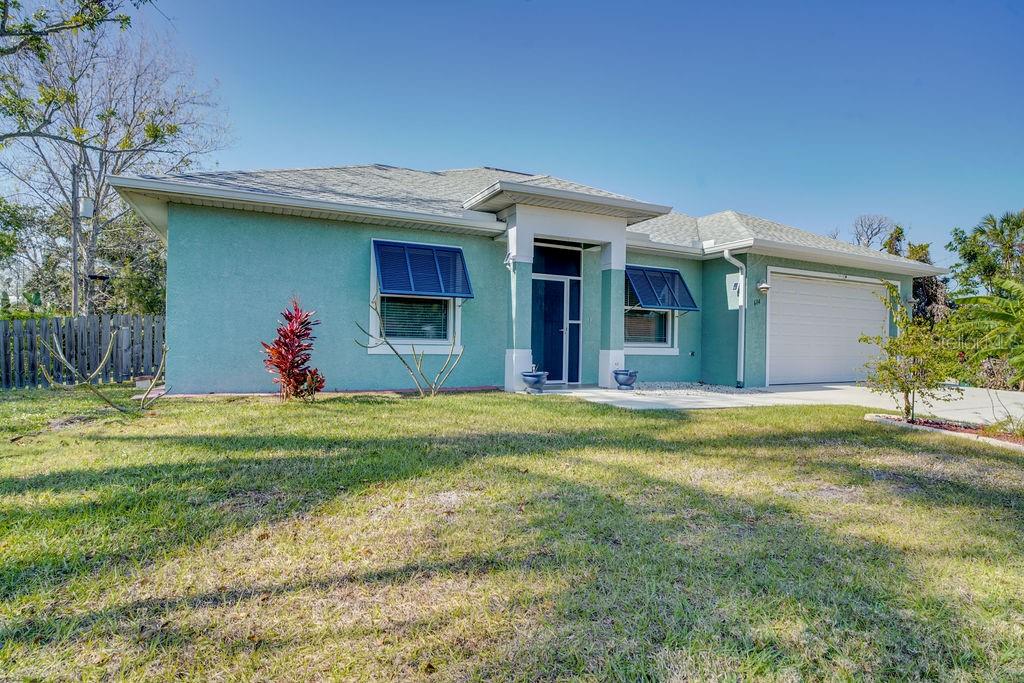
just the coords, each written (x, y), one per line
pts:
(431, 347)
(669, 349)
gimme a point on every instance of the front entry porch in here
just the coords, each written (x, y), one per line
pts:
(565, 308)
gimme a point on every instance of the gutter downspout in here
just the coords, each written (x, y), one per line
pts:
(742, 318)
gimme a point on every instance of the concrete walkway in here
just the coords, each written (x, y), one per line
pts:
(974, 405)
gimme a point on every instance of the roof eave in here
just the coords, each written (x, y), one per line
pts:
(504, 193)
(150, 196)
(822, 255)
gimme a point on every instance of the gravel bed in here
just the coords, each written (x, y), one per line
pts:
(690, 389)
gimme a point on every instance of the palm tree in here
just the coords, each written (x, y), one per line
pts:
(996, 321)
(1005, 235)
(991, 250)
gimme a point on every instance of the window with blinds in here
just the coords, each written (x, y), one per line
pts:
(643, 326)
(647, 327)
(412, 318)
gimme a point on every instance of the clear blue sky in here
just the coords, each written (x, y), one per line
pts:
(809, 113)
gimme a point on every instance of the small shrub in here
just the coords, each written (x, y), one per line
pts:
(288, 357)
(914, 364)
(1010, 424)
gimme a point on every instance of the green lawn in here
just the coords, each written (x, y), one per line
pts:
(489, 536)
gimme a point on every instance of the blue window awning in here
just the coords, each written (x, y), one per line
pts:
(421, 270)
(662, 288)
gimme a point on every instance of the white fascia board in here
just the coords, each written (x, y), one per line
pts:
(483, 195)
(736, 247)
(567, 195)
(868, 262)
(821, 255)
(169, 190)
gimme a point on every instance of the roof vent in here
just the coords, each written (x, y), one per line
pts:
(707, 244)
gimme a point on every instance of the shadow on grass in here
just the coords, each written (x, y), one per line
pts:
(660, 575)
(674, 581)
(286, 475)
(659, 578)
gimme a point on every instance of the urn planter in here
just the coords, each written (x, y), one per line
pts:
(625, 378)
(535, 381)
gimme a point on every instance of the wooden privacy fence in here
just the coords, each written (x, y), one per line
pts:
(83, 340)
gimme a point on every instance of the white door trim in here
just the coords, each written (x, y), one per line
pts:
(566, 279)
(810, 274)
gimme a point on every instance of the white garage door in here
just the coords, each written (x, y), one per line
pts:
(814, 325)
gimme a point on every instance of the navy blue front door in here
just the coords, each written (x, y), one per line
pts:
(548, 331)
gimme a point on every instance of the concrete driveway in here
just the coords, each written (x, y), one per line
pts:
(974, 405)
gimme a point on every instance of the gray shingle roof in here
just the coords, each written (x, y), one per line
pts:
(732, 226)
(378, 186)
(569, 186)
(442, 193)
(672, 228)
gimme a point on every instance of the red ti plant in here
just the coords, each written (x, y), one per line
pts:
(288, 356)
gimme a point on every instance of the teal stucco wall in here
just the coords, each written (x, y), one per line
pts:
(719, 338)
(231, 273)
(718, 328)
(685, 367)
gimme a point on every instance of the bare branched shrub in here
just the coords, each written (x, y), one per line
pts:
(148, 399)
(427, 384)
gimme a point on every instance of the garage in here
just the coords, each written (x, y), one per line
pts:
(814, 326)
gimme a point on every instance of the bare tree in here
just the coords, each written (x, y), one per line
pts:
(869, 228)
(834, 233)
(27, 31)
(133, 109)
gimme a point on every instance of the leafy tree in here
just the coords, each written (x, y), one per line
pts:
(8, 246)
(990, 252)
(893, 243)
(130, 265)
(996, 322)
(28, 106)
(22, 31)
(14, 219)
(135, 291)
(53, 281)
(914, 364)
(931, 293)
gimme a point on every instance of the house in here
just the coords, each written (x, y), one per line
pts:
(518, 269)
